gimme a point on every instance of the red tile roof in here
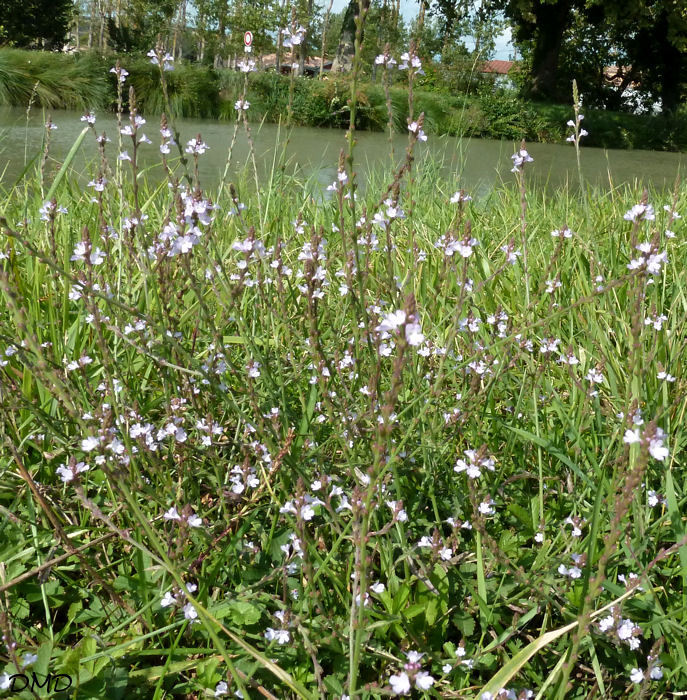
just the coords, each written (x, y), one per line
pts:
(500, 67)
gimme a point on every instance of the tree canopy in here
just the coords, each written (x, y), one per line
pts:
(645, 39)
(35, 23)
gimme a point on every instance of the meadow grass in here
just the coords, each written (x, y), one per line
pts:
(264, 444)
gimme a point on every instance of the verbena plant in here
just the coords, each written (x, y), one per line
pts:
(257, 445)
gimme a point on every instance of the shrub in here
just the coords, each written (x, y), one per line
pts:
(193, 90)
(52, 80)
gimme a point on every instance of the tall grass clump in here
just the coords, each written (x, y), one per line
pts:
(52, 80)
(193, 90)
(257, 443)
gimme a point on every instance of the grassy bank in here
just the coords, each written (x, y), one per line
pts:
(254, 442)
(84, 82)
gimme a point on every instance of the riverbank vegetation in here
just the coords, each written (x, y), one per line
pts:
(260, 443)
(630, 63)
(85, 82)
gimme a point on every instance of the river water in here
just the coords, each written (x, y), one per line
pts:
(312, 154)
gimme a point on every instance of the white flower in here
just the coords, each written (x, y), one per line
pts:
(657, 449)
(307, 512)
(196, 146)
(631, 436)
(487, 507)
(519, 159)
(190, 613)
(241, 104)
(97, 256)
(400, 685)
(167, 600)
(29, 659)
(594, 376)
(414, 128)
(653, 499)
(392, 321)
(221, 689)
(625, 630)
(194, 521)
(414, 334)
(172, 514)
(378, 587)
(465, 247)
(67, 474)
(89, 444)
(423, 681)
(246, 66)
(5, 681)
(98, 185)
(640, 212)
(637, 675)
(281, 636)
(656, 673)
(565, 232)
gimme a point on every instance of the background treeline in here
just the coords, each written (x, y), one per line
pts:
(84, 82)
(645, 41)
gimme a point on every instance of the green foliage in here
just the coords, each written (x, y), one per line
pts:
(168, 346)
(142, 24)
(508, 116)
(193, 89)
(53, 80)
(35, 23)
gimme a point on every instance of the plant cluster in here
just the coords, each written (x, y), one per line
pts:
(406, 443)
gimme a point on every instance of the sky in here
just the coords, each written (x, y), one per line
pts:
(409, 8)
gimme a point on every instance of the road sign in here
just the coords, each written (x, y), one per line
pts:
(248, 38)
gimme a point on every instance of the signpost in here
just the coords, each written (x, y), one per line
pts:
(248, 40)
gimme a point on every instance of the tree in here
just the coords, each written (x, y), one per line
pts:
(35, 23)
(653, 34)
(650, 36)
(346, 49)
(137, 25)
(539, 27)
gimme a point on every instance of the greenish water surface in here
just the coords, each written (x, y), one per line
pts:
(312, 154)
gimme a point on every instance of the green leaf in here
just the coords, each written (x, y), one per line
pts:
(243, 613)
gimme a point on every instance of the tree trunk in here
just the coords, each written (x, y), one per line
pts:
(421, 18)
(672, 69)
(91, 16)
(551, 22)
(219, 56)
(101, 36)
(346, 50)
(324, 37)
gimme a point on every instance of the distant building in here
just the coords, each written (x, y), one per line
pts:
(500, 70)
(311, 68)
(619, 75)
(498, 67)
